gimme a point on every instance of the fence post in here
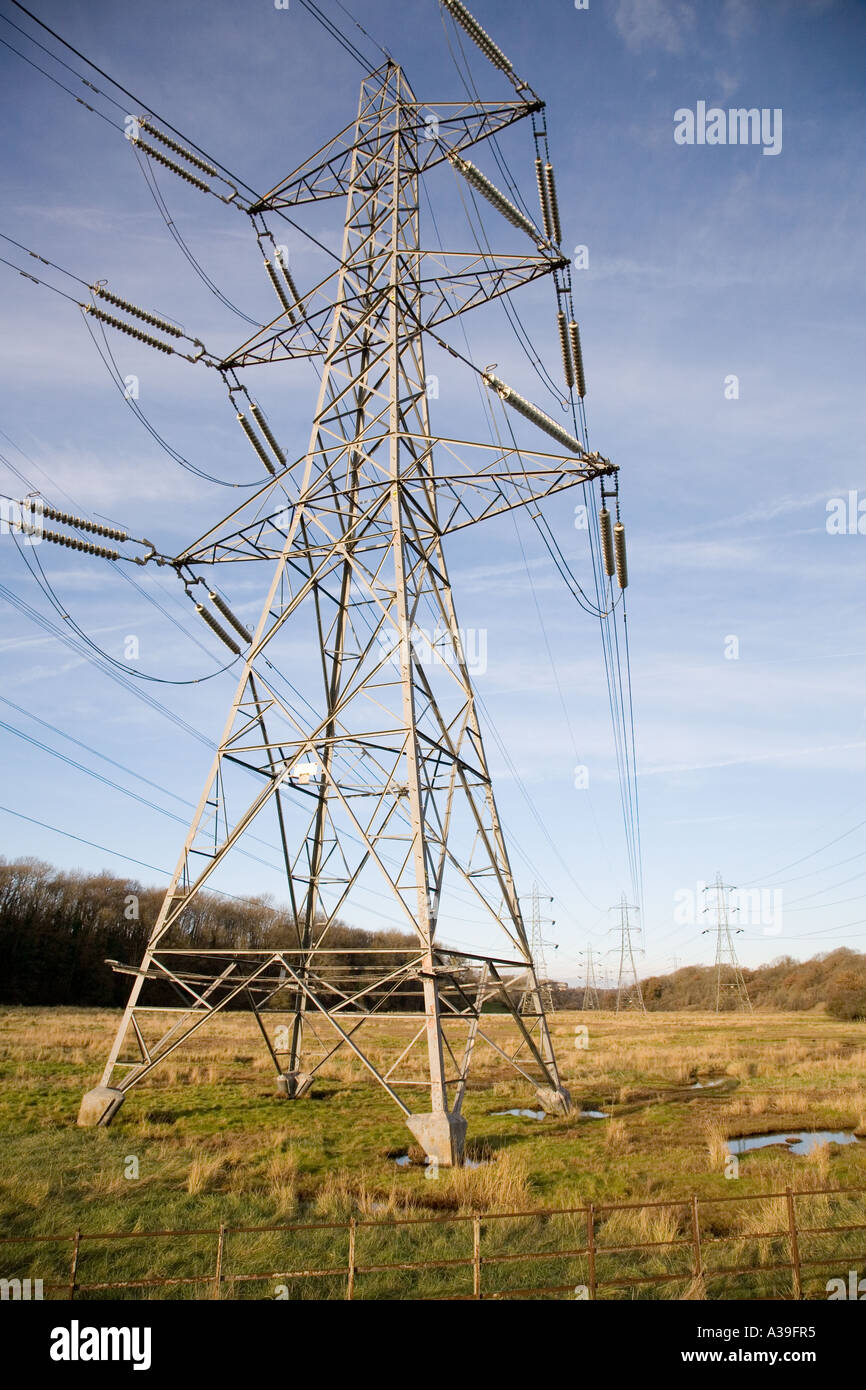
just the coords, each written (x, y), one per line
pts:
(795, 1245)
(476, 1256)
(350, 1286)
(218, 1272)
(73, 1272)
(696, 1240)
(590, 1247)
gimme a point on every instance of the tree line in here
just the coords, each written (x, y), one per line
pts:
(59, 927)
(835, 981)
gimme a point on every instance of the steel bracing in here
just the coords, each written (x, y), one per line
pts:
(377, 780)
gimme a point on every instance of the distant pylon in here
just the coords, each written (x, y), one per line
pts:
(628, 991)
(529, 1003)
(590, 989)
(726, 955)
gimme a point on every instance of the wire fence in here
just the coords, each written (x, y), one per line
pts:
(691, 1247)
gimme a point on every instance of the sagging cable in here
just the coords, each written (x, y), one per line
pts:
(532, 412)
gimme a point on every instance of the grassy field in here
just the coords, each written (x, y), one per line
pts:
(212, 1142)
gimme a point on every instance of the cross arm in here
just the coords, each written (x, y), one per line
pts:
(434, 131)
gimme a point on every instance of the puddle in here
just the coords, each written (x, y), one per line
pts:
(801, 1141)
(542, 1114)
(705, 1085)
(404, 1161)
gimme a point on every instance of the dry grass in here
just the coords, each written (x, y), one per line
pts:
(502, 1184)
(615, 1136)
(343, 1195)
(659, 1225)
(716, 1132)
(819, 1165)
(216, 1143)
(206, 1174)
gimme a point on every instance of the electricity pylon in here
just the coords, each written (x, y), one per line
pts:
(629, 994)
(536, 949)
(590, 990)
(726, 955)
(370, 764)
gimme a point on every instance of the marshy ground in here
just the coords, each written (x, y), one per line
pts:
(213, 1142)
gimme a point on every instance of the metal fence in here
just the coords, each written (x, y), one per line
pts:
(492, 1252)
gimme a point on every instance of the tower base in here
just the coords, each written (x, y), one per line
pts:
(99, 1106)
(294, 1084)
(441, 1136)
(554, 1102)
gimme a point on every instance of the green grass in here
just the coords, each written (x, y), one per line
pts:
(214, 1143)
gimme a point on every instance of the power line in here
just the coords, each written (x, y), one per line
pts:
(796, 862)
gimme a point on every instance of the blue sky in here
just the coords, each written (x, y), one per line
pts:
(704, 262)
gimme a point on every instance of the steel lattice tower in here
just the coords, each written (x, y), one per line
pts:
(382, 776)
(536, 948)
(726, 954)
(629, 994)
(590, 989)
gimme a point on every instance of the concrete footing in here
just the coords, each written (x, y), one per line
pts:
(294, 1084)
(554, 1102)
(441, 1136)
(99, 1106)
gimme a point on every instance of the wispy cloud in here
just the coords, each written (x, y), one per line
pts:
(818, 755)
(666, 24)
(737, 18)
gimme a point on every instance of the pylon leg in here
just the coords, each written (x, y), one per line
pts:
(99, 1106)
(554, 1101)
(442, 1136)
(294, 1084)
